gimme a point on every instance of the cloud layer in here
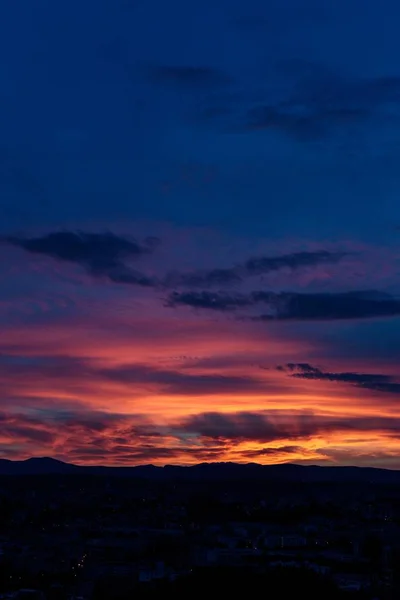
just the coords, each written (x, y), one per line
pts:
(181, 367)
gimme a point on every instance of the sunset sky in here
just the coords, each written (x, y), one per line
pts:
(200, 231)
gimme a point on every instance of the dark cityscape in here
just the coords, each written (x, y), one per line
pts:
(152, 531)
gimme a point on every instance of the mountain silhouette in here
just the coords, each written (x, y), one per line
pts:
(206, 471)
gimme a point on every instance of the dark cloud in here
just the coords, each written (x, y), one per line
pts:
(209, 300)
(91, 421)
(274, 451)
(129, 454)
(243, 426)
(370, 381)
(186, 76)
(30, 434)
(22, 428)
(101, 254)
(84, 434)
(288, 306)
(272, 427)
(106, 255)
(315, 103)
(294, 306)
(321, 102)
(96, 250)
(213, 277)
(296, 260)
(123, 274)
(258, 265)
(181, 382)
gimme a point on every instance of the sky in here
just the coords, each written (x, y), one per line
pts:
(200, 231)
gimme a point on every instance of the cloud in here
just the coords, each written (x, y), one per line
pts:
(273, 426)
(321, 102)
(107, 255)
(142, 454)
(296, 260)
(80, 375)
(123, 274)
(22, 428)
(186, 76)
(291, 306)
(181, 382)
(274, 451)
(209, 300)
(17, 429)
(101, 254)
(213, 277)
(81, 433)
(363, 458)
(370, 381)
(94, 421)
(294, 306)
(244, 426)
(95, 437)
(311, 102)
(258, 265)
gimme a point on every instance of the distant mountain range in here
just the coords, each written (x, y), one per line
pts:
(207, 471)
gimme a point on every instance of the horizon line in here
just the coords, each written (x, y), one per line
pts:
(172, 465)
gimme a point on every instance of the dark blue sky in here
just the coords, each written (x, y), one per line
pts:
(200, 230)
(258, 117)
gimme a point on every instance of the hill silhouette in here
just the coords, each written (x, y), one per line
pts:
(206, 471)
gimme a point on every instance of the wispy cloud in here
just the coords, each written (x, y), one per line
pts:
(371, 381)
(297, 260)
(141, 378)
(217, 301)
(254, 266)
